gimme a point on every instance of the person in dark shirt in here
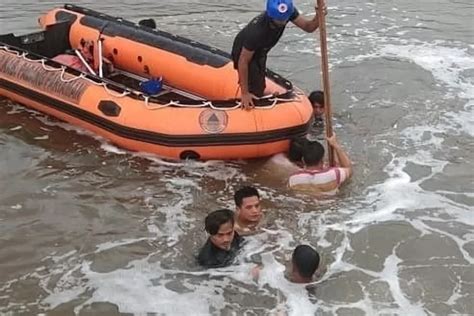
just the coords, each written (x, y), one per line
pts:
(223, 243)
(254, 41)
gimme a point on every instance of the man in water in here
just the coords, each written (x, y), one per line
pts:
(223, 242)
(317, 102)
(304, 264)
(317, 179)
(317, 129)
(248, 213)
(282, 165)
(254, 41)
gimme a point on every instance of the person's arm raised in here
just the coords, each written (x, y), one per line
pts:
(308, 25)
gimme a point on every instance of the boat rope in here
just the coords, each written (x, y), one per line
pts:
(7, 49)
(48, 68)
(156, 106)
(149, 104)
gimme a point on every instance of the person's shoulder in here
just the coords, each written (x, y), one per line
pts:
(254, 24)
(238, 239)
(205, 255)
(260, 19)
(239, 231)
(301, 173)
(280, 159)
(258, 26)
(243, 231)
(280, 162)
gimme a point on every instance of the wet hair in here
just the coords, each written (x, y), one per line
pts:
(243, 193)
(148, 23)
(297, 144)
(306, 260)
(316, 97)
(215, 219)
(313, 153)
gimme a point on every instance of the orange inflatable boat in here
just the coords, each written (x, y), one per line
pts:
(192, 111)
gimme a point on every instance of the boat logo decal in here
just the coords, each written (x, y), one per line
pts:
(35, 75)
(213, 121)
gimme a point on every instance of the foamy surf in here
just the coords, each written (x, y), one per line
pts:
(400, 243)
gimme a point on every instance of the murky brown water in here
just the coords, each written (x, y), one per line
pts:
(87, 228)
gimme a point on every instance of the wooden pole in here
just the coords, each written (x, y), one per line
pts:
(325, 72)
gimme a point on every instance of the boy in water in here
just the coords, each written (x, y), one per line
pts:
(316, 178)
(223, 243)
(248, 213)
(317, 102)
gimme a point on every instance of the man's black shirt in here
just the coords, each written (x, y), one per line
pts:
(259, 36)
(212, 257)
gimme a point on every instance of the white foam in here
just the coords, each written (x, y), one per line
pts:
(61, 257)
(390, 275)
(447, 65)
(141, 287)
(16, 128)
(459, 241)
(117, 243)
(398, 192)
(133, 291)
(464, 119)
(394, 198)
(112, 149)
(296, 300)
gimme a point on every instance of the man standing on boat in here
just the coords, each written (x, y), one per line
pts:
(254, 41)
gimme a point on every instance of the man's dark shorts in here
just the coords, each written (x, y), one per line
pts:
(257, 72)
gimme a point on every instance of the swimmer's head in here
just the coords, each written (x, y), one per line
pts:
(248, 208)
(305, 262)
(313, 154)
(317, 102)
(295, 153)
(220, 227)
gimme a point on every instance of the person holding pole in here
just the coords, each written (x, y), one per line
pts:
(315, 177)
(254, 41)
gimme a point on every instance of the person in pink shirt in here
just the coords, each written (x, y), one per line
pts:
(315, 177)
